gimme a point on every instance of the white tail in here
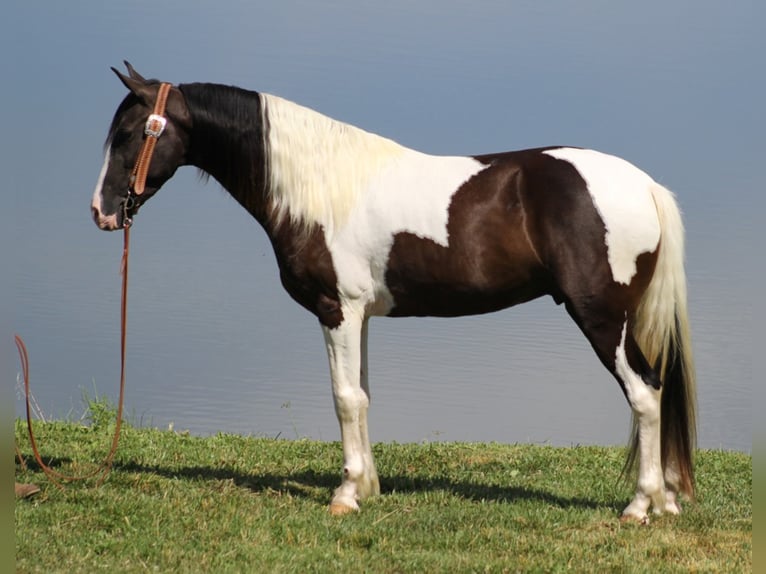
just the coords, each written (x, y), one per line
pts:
(662, 332)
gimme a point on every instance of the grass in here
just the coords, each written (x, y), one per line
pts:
(227, 503)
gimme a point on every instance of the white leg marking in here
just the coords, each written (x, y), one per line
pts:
(672, 487)
(645, 402)
(344, 350)
(622, 195)
(371, 475)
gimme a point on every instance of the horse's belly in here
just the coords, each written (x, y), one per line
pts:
(424, 279)
(420, 300)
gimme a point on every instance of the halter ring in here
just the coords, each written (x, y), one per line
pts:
(127, 207)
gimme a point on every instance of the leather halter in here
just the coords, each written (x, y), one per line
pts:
(154, 128)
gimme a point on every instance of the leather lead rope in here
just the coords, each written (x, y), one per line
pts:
(103, 469)
(153, 129)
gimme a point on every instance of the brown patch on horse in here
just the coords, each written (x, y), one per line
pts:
(489, 263)
(307, 271)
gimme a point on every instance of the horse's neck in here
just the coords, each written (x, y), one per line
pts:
(227, 141)
(280, 160)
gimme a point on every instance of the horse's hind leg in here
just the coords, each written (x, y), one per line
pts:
(609, 332)
(642, 389)
(672, 486)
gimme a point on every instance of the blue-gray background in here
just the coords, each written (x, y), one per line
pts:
(214, 343)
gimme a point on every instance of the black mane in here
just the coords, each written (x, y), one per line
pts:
(227, 139)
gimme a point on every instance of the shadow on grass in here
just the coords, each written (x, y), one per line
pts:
(318, 486)
(30, 462)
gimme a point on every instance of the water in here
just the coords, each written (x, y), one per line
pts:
(214, 342)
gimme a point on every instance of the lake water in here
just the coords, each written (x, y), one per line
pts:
(216, 345)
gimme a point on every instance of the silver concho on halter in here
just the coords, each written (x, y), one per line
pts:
(155, 125)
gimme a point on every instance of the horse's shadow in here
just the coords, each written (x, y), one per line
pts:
(315, 485)
(30, 463)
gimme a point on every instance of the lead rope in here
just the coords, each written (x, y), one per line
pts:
(155, 126)
(103, 469)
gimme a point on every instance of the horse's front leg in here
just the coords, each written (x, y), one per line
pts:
(344, 350)
(372, 482)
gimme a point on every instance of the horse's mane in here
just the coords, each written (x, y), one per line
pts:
(317, 166)
(311, 166)
(228, 120)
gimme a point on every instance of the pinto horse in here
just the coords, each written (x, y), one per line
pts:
(362, 226)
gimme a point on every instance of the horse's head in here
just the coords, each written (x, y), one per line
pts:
(115, 200)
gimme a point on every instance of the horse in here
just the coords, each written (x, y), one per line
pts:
(362, 226)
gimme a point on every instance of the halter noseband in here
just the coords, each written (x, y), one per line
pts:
(155, 126)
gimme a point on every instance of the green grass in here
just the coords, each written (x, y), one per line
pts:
(226, 503)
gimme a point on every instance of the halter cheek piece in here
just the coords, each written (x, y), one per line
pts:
(154, 128)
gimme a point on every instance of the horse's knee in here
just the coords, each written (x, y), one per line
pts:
(348, 403)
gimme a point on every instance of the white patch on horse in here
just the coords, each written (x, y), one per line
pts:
(318, 166)
(622, 196)
(361, 188)
(97, 206)
(411, 194)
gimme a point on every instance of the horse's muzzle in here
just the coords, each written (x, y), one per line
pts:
(105, 222)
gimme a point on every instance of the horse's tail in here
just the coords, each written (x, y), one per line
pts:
(661, 329)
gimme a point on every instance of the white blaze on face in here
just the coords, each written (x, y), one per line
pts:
(411, 194)
(104, 222)
(622, 195)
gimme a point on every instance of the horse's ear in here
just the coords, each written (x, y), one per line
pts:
(135, 84)
(132, 71)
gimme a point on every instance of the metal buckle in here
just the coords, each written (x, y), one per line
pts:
(155, 125)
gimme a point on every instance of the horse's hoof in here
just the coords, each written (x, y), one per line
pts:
(672, 507)
(339, 509)
(632, 519)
